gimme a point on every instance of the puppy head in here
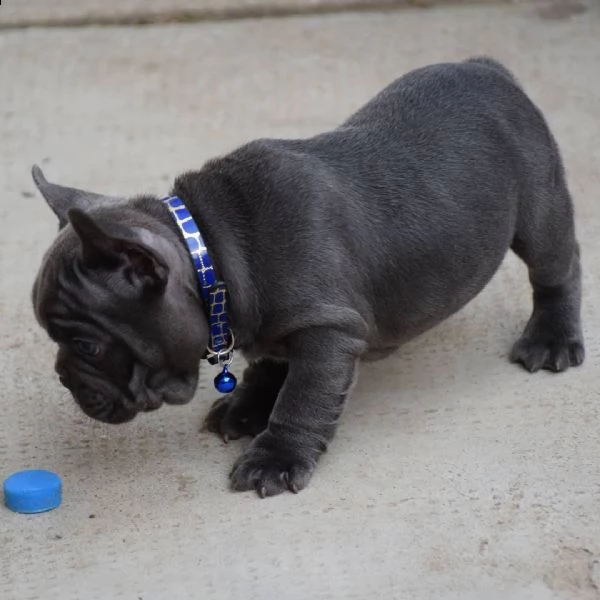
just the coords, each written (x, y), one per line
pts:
(116, 291)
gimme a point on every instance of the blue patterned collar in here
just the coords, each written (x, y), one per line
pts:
(213, 291)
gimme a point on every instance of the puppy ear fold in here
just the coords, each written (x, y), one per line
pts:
(62, 199)
(140, 265)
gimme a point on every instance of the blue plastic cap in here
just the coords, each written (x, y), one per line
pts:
(32, 491)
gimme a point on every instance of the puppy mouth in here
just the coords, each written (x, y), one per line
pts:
(146, 392)
(100, 401)
(102, 408)
(115, 409)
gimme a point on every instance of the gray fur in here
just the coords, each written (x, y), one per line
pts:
(335, 248)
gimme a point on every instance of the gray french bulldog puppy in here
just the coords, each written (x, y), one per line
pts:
(335, 248)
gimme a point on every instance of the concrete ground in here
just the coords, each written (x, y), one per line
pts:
(454, 475)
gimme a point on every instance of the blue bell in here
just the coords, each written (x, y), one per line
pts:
(225, 381)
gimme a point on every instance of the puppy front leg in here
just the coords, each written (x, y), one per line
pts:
(247, 409)
(321, 370)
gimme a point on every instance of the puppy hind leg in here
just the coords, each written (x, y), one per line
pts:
(545, 241)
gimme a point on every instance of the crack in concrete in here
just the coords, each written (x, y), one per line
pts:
(234, 13)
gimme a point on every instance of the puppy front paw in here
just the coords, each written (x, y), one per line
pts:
(270, 467)
(237, 415)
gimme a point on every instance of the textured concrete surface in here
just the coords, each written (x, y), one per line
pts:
(454, 475)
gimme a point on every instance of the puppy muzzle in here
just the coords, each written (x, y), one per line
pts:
(101, 400)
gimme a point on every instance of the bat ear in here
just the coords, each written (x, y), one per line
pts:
(62, 199)
(139, 264)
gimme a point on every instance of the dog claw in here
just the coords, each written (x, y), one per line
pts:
(262, 491)
(225, 437)
(285, 477)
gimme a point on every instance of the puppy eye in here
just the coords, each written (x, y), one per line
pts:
(86, 348)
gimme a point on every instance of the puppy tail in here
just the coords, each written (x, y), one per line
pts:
(493, 64)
